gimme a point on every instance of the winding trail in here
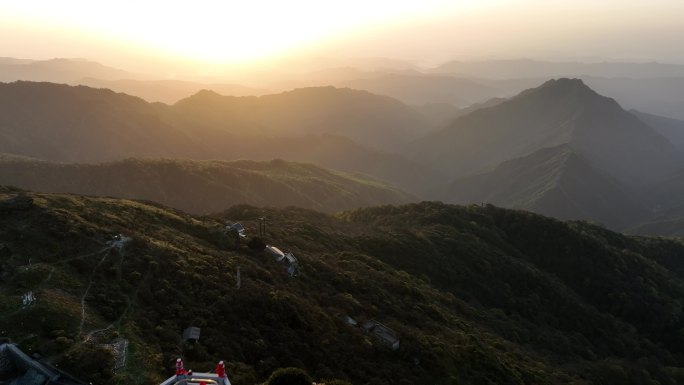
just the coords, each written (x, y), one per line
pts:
(90, 284)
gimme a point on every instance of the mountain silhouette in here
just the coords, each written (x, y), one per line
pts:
(82, 124)
(563, 111)
(373, 120)
(58, 70)
(85, 125)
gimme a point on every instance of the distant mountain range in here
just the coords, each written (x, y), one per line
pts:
(560, 149)
(654, 88)
(58, 70)
(417, 89)
(81, 124)
(168, 91)
(525, 68)
(203, 187)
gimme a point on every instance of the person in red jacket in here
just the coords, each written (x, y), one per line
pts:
(179, 367)
(221, 372)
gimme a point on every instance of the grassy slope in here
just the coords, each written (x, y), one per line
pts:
(477, 295)
(205, 186)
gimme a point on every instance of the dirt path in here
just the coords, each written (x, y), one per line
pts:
(90, 284)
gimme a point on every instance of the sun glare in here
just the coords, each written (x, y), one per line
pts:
(220, 30)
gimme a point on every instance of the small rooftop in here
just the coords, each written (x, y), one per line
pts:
(382, 332)
(237, 227)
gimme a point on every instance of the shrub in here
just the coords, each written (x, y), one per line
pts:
(94, 363)
(289, 376)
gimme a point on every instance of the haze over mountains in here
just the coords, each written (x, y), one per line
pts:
(525, 68)
(558, 112)
(80, 124)
(381, 122)
(58, 70)
(560, 149)
(649, 87)
(536, 150)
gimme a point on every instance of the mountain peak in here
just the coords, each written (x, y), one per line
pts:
(560, 111)
(565, 82)
(562, 88)
(206, 93)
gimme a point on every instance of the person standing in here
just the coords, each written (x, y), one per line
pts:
(180, 371)
(221, 372)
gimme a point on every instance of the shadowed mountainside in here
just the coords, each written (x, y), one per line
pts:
(552, 181)
(672, 129)
(205, 186)
(63, 123)
(563, 111)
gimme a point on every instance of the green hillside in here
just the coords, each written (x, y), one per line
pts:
(477, 295)
(205, 186)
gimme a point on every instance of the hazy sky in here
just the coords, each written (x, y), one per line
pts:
(141, 35)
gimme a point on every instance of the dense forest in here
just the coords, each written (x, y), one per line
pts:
(476, 295)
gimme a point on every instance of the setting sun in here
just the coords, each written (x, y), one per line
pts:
(215, 30)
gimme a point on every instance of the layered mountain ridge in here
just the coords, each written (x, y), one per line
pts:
(204, 187)
(81, 124)
(624, 159)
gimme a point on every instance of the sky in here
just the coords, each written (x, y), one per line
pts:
(148, 35)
